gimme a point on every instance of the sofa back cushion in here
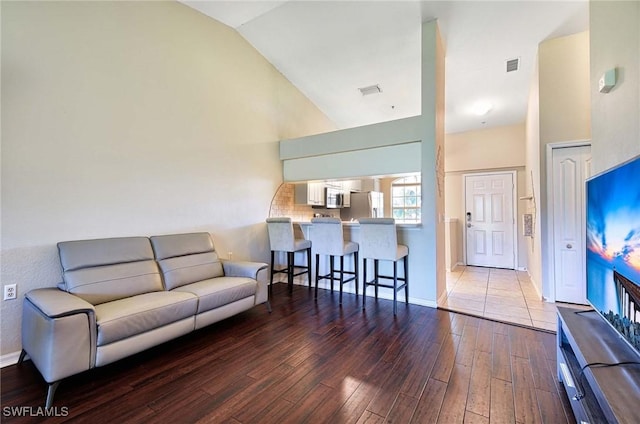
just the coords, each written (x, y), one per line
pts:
(103, 270)
(186, 258)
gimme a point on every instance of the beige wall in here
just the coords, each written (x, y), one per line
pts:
(134, 118)
(562, 97)
(532, 185)
(615, 43)
(498, 147)
(487, 150)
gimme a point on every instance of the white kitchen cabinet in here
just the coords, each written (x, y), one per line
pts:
(370, 184)
(352, 185)
(347, 187)
(310, 193)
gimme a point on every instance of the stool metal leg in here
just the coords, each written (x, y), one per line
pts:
(331, 267)
(309, 266)
(364, 283)
(406, 280)
(317, 274)
(290, 268)
(375, 276)
(395, 287)
(355, 267)
(341, 276)
(272, 270)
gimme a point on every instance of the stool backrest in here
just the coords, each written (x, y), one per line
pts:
(281, 237)
(378, 238)
(327, 236)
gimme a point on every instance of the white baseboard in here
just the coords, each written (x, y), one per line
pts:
(535, 287)
(456, 265)
(10, 359)
(442, 298)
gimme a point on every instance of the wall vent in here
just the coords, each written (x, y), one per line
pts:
(372, 89)
(513, 64)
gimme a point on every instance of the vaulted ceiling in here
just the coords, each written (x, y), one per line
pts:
(331, 49)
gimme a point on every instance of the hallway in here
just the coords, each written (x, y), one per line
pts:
(499, 294)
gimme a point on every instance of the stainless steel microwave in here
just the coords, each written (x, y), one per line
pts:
(333, 198)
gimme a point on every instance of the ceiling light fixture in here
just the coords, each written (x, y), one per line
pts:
(481, 108)
(372, 89)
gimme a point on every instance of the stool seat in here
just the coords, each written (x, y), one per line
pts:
(301, 244)
(350, 247)
(379, 241)
(328, 240)
(401, 251)
(282, 239)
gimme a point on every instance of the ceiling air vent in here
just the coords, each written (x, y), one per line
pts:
(513, 64)
(372, 89)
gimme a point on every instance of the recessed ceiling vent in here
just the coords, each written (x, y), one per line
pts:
(513, 64)
(372, 89)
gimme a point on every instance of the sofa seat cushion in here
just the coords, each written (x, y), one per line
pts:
(131, 316)
(220, 291)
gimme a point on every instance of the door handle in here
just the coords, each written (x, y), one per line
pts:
(569, 246)
(469, 225)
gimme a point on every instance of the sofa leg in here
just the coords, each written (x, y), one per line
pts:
(268, 306)
(50, 393)
(22, 356)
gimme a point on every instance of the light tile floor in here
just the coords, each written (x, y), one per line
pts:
(500, 294)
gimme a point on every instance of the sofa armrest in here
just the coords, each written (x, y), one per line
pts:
(256, 270)
(58, 333)
(55, 303)
(242, 268)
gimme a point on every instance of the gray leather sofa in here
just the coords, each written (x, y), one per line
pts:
(121, 296)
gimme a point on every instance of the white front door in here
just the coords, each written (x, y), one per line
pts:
(489, 220)
(571, 167)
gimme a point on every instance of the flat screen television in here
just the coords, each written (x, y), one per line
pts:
(613, 248)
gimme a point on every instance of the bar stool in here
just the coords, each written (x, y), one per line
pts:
(379, 241)
(328, 239)
(282, 239)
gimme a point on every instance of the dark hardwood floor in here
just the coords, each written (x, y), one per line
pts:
(318, 362)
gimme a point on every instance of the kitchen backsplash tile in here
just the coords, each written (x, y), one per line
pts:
(283, 204)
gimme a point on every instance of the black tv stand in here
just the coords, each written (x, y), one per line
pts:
(597, 394)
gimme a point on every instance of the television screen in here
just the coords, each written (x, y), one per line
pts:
(613, 248)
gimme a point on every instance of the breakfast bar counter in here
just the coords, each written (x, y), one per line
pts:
(352, 230)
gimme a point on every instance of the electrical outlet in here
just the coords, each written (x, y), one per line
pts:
(230, 255)
(10, 291)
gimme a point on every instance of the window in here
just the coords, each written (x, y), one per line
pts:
(406, 199)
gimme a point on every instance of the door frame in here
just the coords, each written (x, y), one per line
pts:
(550, 256)
(514, 206)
